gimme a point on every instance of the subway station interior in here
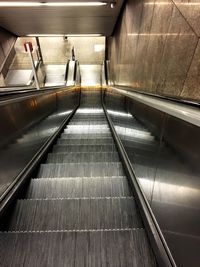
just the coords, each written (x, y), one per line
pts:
(100, 133)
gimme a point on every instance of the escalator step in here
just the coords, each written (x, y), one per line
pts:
(78, 187)
(76, 249)
(88, 116)
(88, 122)
(80, 141)
(77, 157)
(80, 130)
(84, 148)
(86, 136)
(80, 170)
(75, 214)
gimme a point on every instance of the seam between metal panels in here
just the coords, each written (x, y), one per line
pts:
(104, 177)
(72, 231)
(75, 198)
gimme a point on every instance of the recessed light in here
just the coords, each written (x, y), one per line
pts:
(63, 35)
(49, 4)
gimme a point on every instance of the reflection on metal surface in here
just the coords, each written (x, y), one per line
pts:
(70, 74)
(173, 194)
(61, 114)
(55, 75)
(119, 114)
(134, 133)
(189, 114)
(25, 126)
(89, 110)
(18, 77)
(170, 183)
(90, 75)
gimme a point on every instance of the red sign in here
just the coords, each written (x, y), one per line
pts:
(30, 45)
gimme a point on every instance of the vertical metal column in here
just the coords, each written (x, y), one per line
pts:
(39, 48)
(33, 66)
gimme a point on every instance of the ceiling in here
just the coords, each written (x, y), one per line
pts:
(60, 20)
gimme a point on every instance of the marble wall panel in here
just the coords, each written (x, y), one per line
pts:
(154, 49)
(190, 10)
(7, 41)
(177, 56)
(191, 88)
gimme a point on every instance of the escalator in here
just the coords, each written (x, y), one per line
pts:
(79, 210)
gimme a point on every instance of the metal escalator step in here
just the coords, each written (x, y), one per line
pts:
(84, 148)
(78, 187)
(88, 116)
(77, 157)
(77, 249)
(88, 127)
(86, 136)
(86, 130)
(80, 170)
(88, 121)
(79, 141)
(75, 214)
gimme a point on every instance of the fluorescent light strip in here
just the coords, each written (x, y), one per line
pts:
(83, 35)
(45, 35)
(54, 4)
(63, 35)
(76, 4)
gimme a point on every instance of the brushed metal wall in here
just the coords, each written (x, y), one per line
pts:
(164, 152)
(26, 123)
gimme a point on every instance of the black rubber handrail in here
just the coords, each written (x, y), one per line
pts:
(11, 193)
(158, 243)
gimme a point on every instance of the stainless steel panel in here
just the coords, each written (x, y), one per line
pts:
(55, 75)
(165, 156)
(90, 75)
(70, 75)
(18, 77)
(25, 124)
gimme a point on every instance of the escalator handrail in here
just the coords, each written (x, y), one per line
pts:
(181, 111)
(24, 96)
(159, 245)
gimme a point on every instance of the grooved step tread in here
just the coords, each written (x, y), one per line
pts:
(75, 214)
(87, 121)
(83, 157)
(80, 141)
(80, 170)
(76, 249)
(84, 148)
(81, 212)
(85, 135)
(79, 187)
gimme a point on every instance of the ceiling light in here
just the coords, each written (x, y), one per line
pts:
(73, 4)
(55, 4)
(84, 35)
(63, 35)
(19, 4)
(45, 35)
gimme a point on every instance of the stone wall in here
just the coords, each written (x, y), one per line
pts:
(7, 52)
(156, 48)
